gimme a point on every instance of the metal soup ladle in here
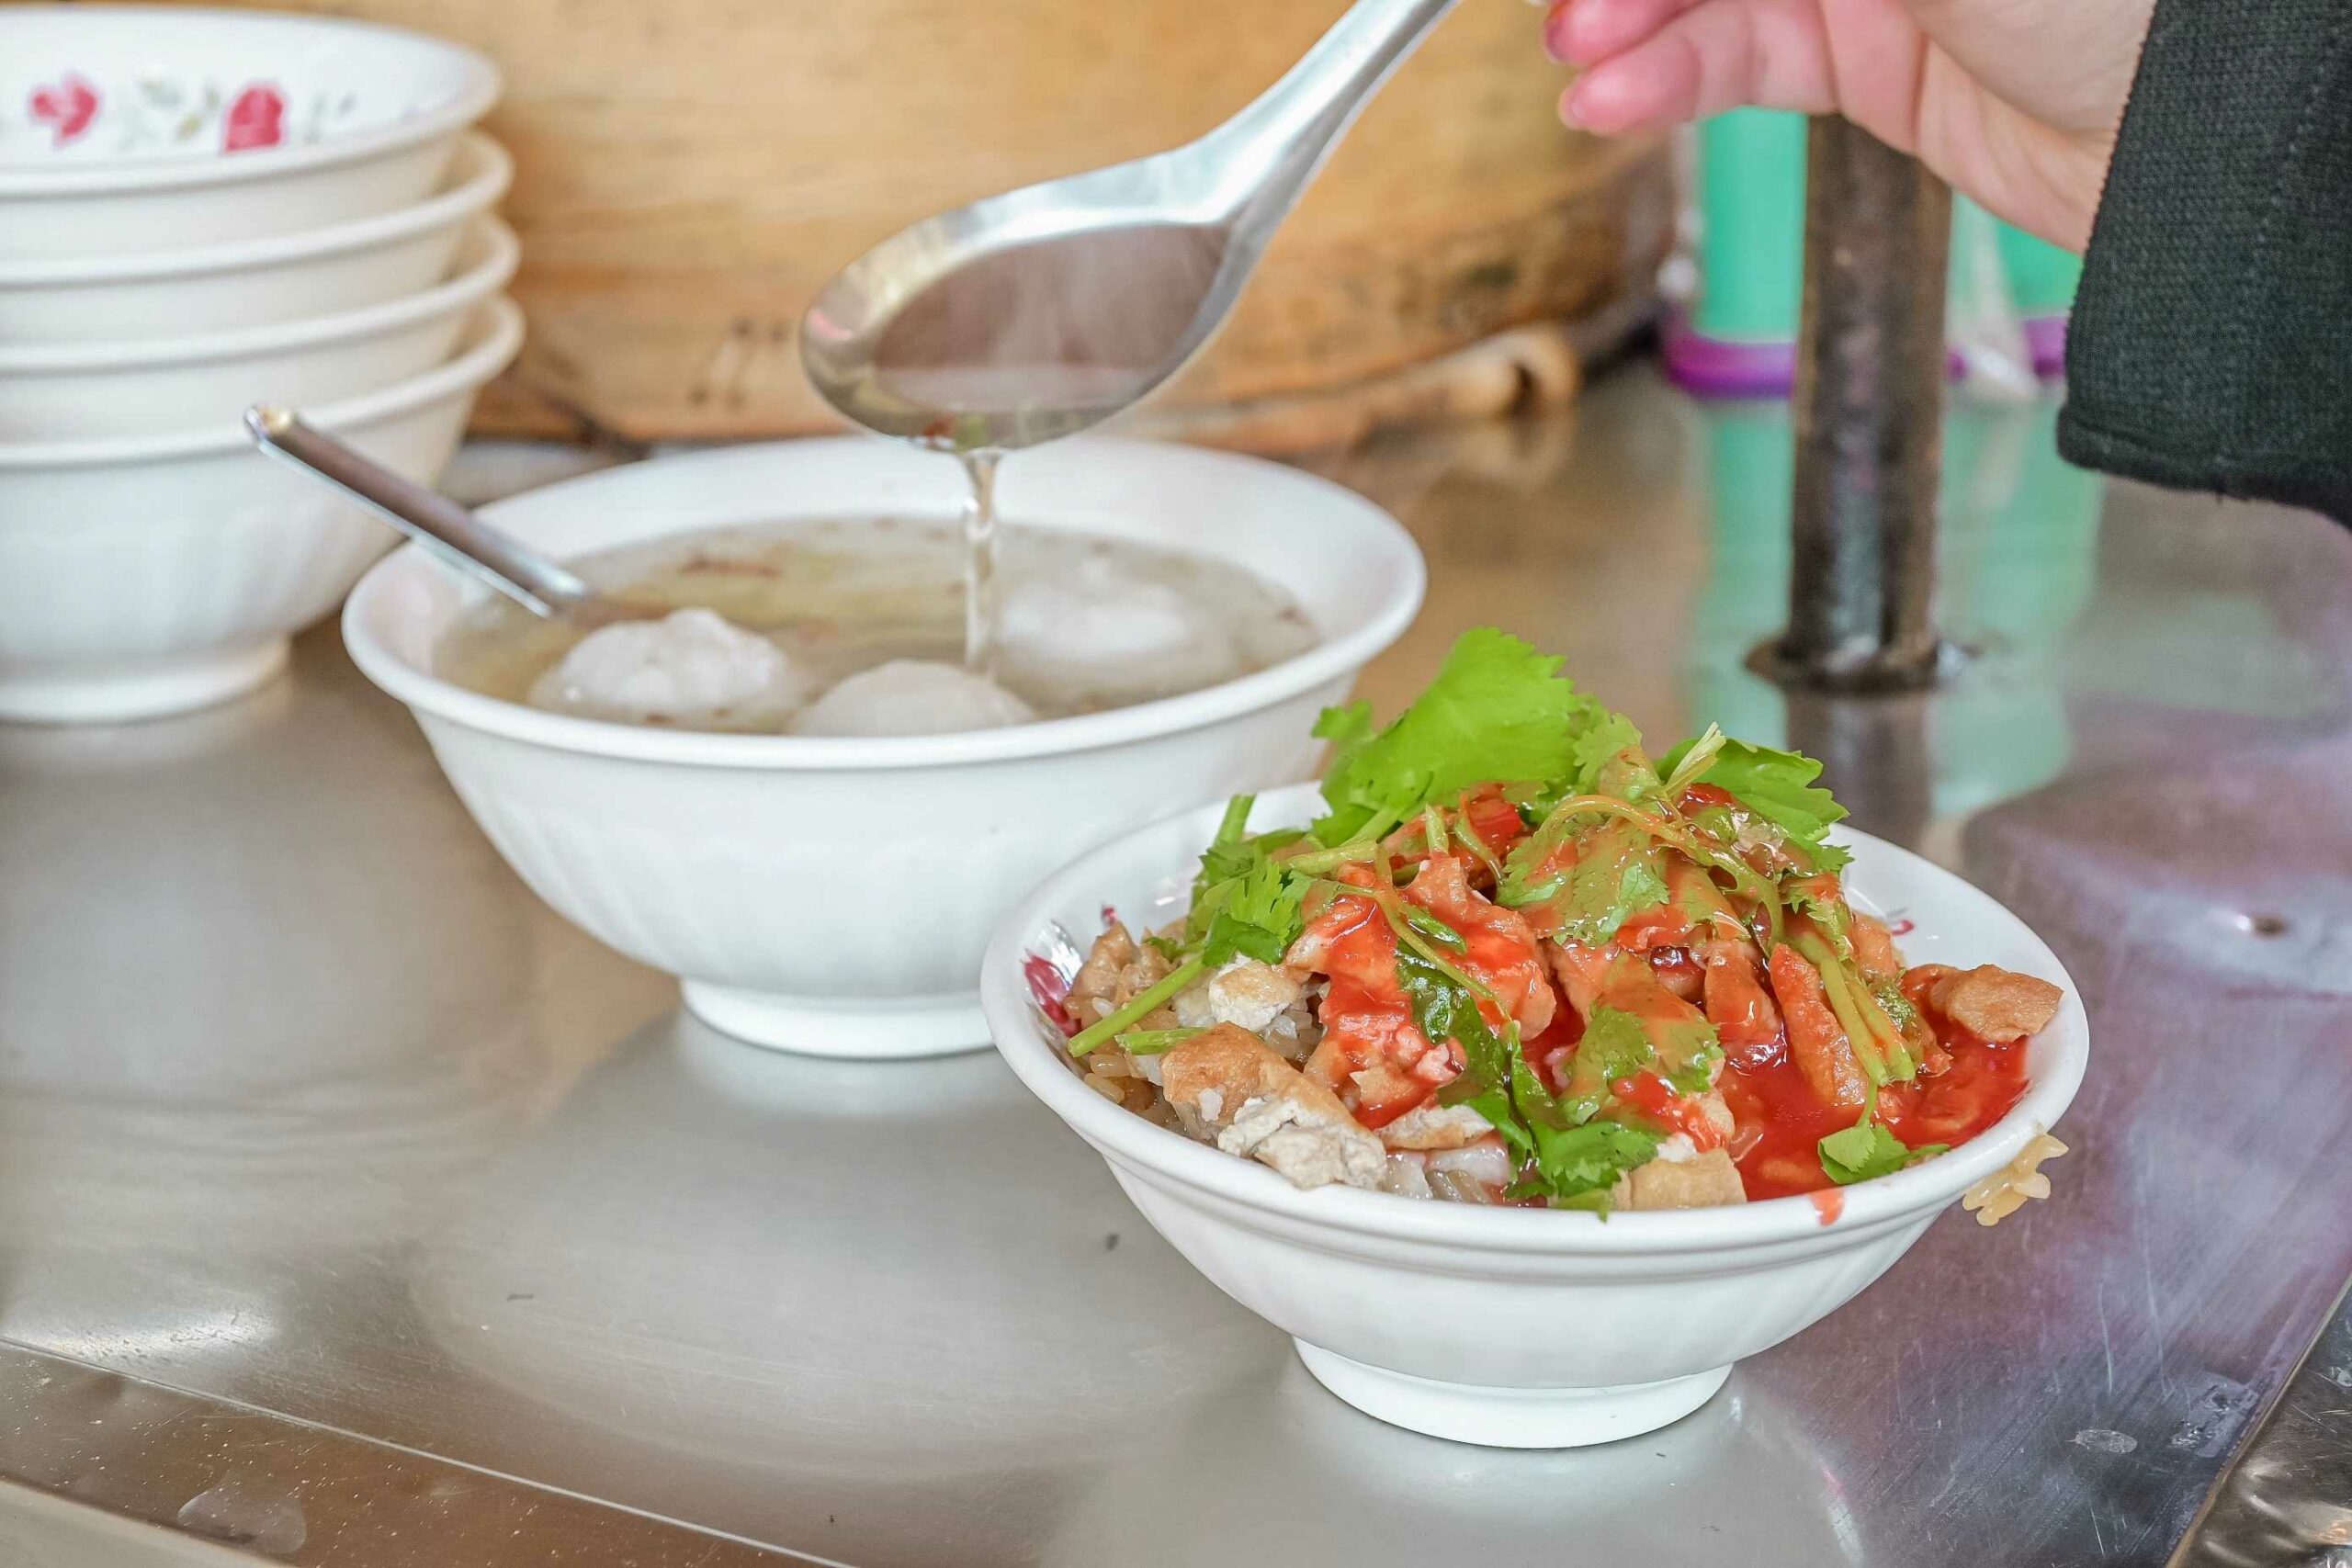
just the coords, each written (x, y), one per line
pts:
(1037, 313)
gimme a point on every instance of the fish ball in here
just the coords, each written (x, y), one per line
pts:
(1101, 631)
(912, 696)
(693, 667)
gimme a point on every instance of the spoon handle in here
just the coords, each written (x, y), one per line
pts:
(1274, 148)
(432, 519)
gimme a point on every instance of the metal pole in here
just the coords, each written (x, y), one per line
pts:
(1868, 415)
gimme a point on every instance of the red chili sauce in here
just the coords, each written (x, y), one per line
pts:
(1655, 1100)
(1778, 1121)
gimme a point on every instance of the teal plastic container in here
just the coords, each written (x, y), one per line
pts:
(1751, 226)
(2017, 558)
(1736, 335)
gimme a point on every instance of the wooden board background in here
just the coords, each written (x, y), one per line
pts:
(690, 171)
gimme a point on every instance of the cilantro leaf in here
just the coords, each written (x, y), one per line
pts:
(1640, 886)
(1498, 711)
(1828, 856)
(1778, 786)
(1497, 1081)
(1691, 885)
(1230, 938)
(1535, 872)
(1609, 736)
(1223, 864)
(1585, 1162)
(1243, 902)
(1695, 1074)
(1259, 915)
(1865, 1150)
(1344, 727)
(1619, 872)
(1613, 1047)
(1688, 1049)
(1624, 773)
(1443, 1009)
(1575, 1159)
(1591, 871)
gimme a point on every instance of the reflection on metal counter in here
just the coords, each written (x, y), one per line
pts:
(374, 1187)
(2015, 559)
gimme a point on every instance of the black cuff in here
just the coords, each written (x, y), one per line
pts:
(2212, 340)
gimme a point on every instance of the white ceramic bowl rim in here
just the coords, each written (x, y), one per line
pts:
(477, 87)
(1128, 1138)
(478, 177)
(488, 250)
(493, 333)
(1336, 654)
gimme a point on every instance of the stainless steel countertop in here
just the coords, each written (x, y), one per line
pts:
(356, 1209)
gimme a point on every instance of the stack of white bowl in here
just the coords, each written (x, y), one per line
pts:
(200, 210)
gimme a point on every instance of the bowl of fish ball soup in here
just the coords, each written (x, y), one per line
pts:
(814, 767)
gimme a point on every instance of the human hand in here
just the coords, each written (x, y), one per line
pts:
(2015, 102)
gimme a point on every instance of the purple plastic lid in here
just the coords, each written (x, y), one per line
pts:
(2046, 337)
(1722, 367)
(1719, 367)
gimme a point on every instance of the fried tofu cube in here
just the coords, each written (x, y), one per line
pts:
(1701, 1181)
(1117, 970)
(1992, 1003)
(1433, 1128)
(1230, 1087)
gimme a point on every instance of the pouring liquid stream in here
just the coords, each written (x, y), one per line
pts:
(983, 593)
(977, 415)
(1030, 345)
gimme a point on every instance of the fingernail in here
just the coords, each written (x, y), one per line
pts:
(1555, 31)
(1571, 104)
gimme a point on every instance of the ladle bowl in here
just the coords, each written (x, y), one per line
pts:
(1037, 313)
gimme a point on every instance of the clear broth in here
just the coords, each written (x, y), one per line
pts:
(1086, 622)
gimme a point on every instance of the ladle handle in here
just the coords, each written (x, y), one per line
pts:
(1275, 147)
(432, 519)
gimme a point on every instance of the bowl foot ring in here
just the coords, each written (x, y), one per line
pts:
(843, 1030)
(1510, 1417)
(125, 692)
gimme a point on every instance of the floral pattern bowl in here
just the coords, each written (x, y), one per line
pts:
(127, 128)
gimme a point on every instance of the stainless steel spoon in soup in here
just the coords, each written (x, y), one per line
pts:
(1040, 312)
(530, 578)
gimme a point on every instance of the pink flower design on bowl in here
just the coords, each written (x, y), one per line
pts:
(67, 108)
(88, 113)
(255, 118)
